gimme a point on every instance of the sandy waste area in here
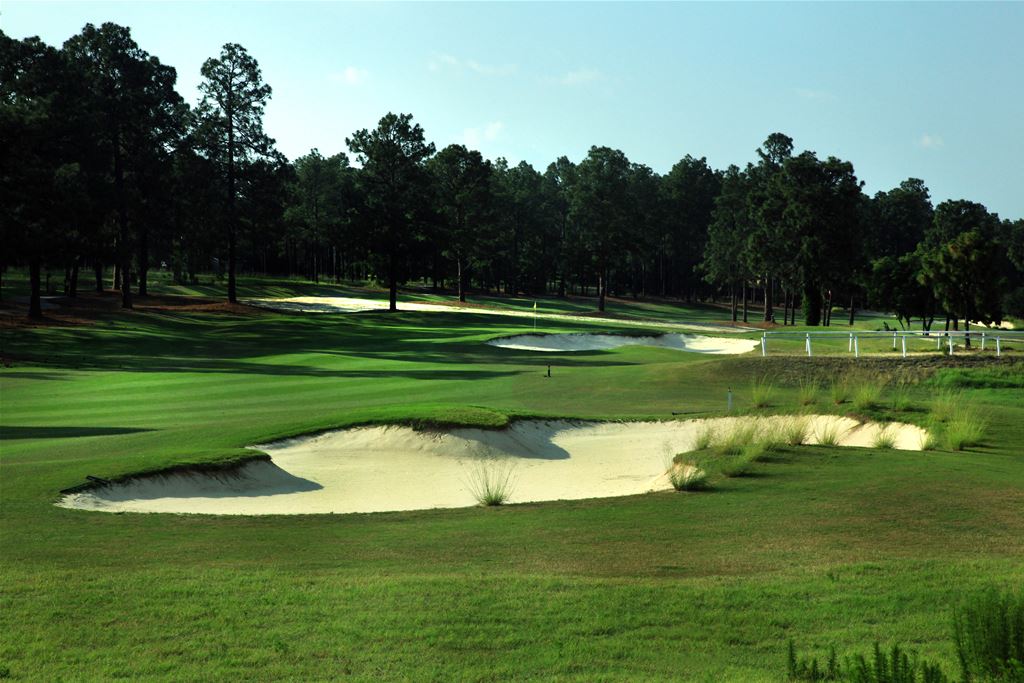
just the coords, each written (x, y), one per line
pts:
(341, 304)
(595, 342)
(390, 468)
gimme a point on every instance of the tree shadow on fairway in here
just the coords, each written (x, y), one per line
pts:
(12, 433)
(197, 343)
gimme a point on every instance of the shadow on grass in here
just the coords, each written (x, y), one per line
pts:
(12, 433)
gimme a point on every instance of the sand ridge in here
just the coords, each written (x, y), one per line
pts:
(693, 343)
(392, 468)
(341, 304)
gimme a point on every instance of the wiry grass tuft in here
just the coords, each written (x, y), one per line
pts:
(839, 391)
(735, 440)
(866, 395)
(686, 477)
(965, 428)
(945, 404)
(491, 483)
(797, 430)
(807, 394)
(827, 433)
(761, 392)
(885, 438)
(704, 438)
(743, 464)
(771, 436)
(899, 398)
(929, 440)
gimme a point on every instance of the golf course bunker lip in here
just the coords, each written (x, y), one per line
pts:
(558, 343)
(346, 304)
(393, 468)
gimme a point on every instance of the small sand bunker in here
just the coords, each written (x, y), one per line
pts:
(596, 342)
(377, 469)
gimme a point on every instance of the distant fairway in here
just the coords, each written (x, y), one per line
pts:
(843, 546)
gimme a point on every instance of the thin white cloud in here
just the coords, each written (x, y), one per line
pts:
(474, 137)
(351, 75)
(442, 62)
(929, 141)
(815, 95)
(581, 77)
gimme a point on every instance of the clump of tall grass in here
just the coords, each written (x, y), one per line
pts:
(839, 391)
(685, 477)
(989, 633)
(807, 394)
(894, 666)
(885, 439)
(899, 399)
(866, 395)
(736, 439)
(761, 392)
(929, 440)
(770, 436)
(491, 483)
(945, 404)
(964, 428)
(741, 465)
(796, 430)
(704, 438)
(827, 433)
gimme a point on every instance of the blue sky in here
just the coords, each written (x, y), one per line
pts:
(931, 90)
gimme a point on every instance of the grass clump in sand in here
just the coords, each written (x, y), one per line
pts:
(796, 431)
(965, 428)
(743, 464)
(735, 440)
(491, 483)
(807, 393)
(885, 439)
(704, 438)
(687, 477)
(827, 433)
(866, 395)
(761, 392)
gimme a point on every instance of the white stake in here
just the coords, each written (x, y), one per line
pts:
(999, 350)
(856, 348)
(808, 344)
(764, 345)
(904, 338)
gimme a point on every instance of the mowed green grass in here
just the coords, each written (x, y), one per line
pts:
(826, 546)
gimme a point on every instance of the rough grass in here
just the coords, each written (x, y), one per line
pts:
(867, 395)
(839, 391)
(761, 392)
(686, 477)
(827, 433)
(964, 428)
(808, 392)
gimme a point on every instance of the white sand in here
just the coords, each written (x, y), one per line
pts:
(375, 469)
(596, 342)
(340, 304)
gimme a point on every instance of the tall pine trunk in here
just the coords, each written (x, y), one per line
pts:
(143, 260)
(232, 294)
(769, 304)
(35, 307)
(122, 219)
(392, 281)
(732, 299)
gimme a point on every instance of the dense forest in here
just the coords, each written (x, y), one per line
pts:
(106, 172)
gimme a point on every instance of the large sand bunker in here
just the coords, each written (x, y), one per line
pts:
(376, 469)
(595, 342)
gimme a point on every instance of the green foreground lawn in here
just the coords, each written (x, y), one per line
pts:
(826, 546)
